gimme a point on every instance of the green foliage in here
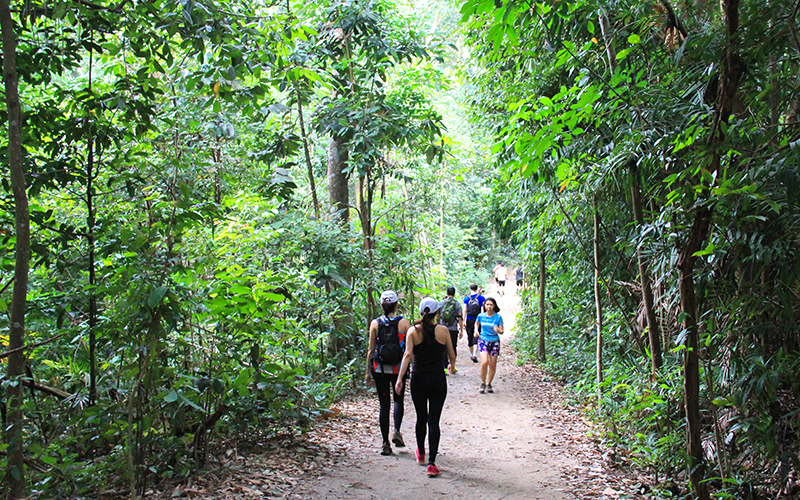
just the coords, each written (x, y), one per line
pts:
(580, 97)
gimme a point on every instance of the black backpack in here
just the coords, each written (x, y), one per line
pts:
(474, 306)
(388, 350)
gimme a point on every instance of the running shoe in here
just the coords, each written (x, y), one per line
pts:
(474, 359)
(397, 439)
(482, 389)
(420, 457)
(433, 471)
(489, 389)
(386, 450)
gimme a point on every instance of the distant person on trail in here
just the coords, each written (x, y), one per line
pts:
(520, 276)
(500, 272)
(451, 316)
(473, 305)
(426, 343)
(387, 335)
(490, 326)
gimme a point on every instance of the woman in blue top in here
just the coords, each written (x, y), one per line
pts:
(490, 326)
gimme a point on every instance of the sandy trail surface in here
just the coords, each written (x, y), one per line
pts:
(513, 444)
(522, 442)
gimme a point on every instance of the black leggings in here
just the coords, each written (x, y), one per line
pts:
(384, 383)
(428, 388)
(445, 357)
(471, 339)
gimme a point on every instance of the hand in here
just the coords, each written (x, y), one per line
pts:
(368, 378)
(461, 334)
(398, 387)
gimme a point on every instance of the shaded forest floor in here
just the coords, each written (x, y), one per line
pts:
(522, 442)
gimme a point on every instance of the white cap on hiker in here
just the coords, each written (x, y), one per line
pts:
(428, 306)
(388, 297)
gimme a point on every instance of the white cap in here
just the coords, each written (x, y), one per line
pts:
(428, 305)
(388, 297)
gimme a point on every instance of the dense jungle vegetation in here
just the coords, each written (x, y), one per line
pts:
(203, 200)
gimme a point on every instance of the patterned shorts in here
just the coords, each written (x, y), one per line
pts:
(493, 348)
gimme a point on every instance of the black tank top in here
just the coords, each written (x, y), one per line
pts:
(428, 356)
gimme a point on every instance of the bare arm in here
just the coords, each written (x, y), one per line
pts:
(498, 329)
(373, 338)
(411, 337)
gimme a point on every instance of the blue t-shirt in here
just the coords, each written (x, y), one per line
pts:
(487, 326)
(481, 300)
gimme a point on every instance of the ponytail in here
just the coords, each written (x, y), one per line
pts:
(428, 322)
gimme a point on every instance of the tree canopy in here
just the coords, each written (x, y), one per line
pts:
(205, 199)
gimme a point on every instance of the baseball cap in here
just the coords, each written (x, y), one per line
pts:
(428, 305)
(388, 297)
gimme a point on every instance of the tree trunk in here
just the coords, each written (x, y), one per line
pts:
(691, 364)
(90, 224)
(365, 193)
(597, 303)
(542, 282)
(311, 181)
(644, 277)
(608, 39)
(15, 470)
(338, 190)
(733, 69)
(339, 201)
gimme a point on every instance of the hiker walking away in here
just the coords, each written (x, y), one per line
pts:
(451, 316)
(473, 303)
(520, 276)
(500, 272)
(490, 327)
(387, 335)
(426, 341)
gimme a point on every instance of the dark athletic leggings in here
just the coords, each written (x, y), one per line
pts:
(471, 331)
(445, 357)
(384, 383)
(428, 388)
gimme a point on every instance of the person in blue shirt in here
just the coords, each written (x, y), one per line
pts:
(473, 306)
(490, 326)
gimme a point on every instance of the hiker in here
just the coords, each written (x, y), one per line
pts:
(387, 336)
(426, 343)
(490, 327)
(473, 304)
(451, 316)
(500, 272)
(519, 275)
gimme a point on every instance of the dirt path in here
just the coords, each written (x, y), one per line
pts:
(522, 442)
(518, 443)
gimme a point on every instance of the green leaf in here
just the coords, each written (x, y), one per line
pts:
(156, 296)
(633, 39)
(171, 397)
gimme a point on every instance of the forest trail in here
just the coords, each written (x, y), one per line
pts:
(522, 442)
(518, 443)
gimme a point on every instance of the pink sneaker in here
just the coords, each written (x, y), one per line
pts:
(433, 471)
(420, 457)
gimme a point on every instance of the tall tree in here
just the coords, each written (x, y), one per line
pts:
(15, 471)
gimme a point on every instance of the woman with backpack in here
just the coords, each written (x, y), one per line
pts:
(426, 341)
(490, 326)
(387, 336)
